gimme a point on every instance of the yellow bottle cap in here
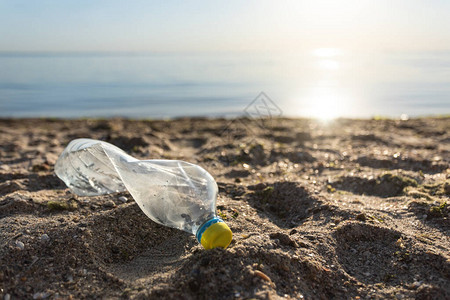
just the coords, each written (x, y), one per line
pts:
(217, 235)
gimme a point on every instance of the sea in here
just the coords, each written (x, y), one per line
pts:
(322, 83)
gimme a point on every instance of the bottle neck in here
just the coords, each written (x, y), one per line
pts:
(205, 226)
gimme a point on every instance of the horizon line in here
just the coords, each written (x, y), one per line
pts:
(68, 53)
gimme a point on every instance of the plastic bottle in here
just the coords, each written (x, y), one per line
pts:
(170, 192)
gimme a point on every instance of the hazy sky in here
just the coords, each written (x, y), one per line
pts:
(112, 25)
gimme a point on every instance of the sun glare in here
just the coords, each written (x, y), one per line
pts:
(327, 52)
(324, 103)
(328, 64)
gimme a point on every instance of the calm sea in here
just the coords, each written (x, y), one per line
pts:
(324, 83)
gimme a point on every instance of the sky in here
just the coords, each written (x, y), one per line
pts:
(219, 26)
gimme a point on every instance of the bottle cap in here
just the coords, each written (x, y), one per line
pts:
(217, 235)
(214, 233)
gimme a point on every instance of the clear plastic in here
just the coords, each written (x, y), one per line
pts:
(173, 193)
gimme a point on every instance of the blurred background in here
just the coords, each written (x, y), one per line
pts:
(149, 59)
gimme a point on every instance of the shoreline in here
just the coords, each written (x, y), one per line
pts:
(240, 116)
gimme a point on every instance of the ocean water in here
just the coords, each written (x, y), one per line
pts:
(325, 83)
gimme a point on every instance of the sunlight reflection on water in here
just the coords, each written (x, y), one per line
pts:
(326, 98)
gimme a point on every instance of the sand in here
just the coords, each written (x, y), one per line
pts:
(350, 209)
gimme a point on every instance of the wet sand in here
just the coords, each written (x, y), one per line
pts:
(350, 209)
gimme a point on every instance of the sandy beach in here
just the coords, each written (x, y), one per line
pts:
(350, 209)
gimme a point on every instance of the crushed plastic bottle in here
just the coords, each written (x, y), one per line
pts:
(173, 193)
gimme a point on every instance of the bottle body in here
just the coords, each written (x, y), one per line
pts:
(170, 192)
